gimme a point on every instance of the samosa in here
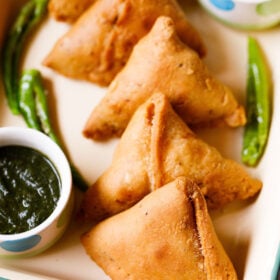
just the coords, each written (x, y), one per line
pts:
(168, 235)
(162, 62)
(68, 10)
(98, 45)
(156, 148)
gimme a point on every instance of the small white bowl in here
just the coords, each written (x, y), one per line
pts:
(244, 14)
(38, 239)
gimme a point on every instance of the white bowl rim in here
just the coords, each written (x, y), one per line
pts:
(65, 176)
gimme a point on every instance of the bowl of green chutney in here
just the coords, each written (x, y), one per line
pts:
(36, 199)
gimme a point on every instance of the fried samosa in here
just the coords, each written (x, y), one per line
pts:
(98, 45)
(168, 235)
(161, 62)
(156, 148)
(68, 10)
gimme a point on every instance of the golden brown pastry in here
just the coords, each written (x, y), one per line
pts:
(100, 42)
(156, 148)
(161, 62)
(166, 236)
(68, 10)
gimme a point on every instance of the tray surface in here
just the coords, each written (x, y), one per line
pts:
(249, 231)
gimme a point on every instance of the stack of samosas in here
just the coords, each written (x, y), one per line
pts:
(149, 209)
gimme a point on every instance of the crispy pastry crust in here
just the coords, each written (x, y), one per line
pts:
(68, 10)
(161, 62)
(156, 148)
(168, 235)
(99, 43)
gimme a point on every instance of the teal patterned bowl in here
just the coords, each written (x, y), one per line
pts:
(245, 14)
(41, 237)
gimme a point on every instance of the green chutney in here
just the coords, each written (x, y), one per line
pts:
(29, 188)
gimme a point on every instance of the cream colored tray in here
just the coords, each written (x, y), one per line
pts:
(250, 232)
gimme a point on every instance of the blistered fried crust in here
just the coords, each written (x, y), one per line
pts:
(156, 148)
(161, 62)
(98, 45)
(168, 235)
(68, 10)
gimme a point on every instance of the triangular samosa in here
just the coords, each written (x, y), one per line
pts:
(156, 148)
(161, 62)
(68, 10)
(99, 43)
(166, 236)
